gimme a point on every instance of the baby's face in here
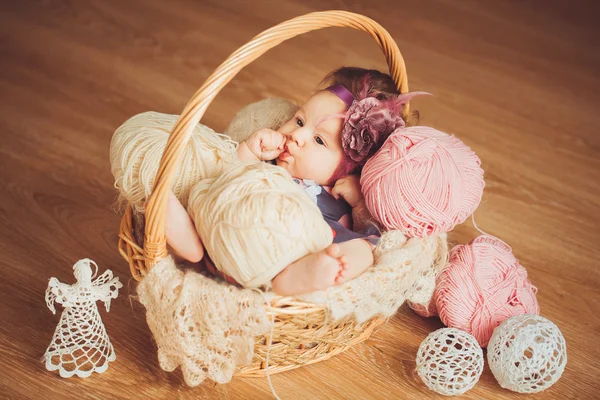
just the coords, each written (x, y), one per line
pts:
(314, 146)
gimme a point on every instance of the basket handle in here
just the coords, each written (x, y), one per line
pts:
(155, 245)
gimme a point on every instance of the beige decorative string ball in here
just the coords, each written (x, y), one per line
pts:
(254, 220)
(137, 147)
(449, 361)
(527, 353)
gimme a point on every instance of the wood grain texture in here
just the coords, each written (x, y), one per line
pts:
(517, 81)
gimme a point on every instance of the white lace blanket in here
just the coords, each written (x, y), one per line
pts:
(204, 326)
(404, 270)
(208, 327)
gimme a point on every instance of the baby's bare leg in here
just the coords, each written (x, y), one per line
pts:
(316, 271)
(181, 232)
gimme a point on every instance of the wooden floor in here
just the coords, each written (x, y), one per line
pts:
(517, 81)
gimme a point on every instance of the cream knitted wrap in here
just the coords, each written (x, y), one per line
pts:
(254, 221)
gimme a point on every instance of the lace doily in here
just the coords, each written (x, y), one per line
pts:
(205, 326)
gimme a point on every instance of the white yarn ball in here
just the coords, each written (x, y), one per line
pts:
(254, 221)
(138, 145)
(527, 353)
(450, 361)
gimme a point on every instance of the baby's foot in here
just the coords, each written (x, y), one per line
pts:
(336, 265)
(316, 271)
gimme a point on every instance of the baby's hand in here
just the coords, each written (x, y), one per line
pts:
(266, 144)
(349, 189)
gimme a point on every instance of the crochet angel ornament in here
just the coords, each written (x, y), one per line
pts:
(80, 344)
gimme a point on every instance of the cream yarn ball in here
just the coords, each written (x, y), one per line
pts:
(254, 221)
(269, 113)
(450, 361)
(138, 145)
(527, 353)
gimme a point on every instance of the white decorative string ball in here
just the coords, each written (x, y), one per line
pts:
(527, 353)
(450, 361)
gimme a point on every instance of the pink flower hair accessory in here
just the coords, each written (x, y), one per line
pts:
(369, 121)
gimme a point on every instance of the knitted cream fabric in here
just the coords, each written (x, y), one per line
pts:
(137, 147)
(403, 270)
(204, 326)
(268, 113)
(254, 221)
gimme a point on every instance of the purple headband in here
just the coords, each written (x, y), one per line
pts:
(343, 93)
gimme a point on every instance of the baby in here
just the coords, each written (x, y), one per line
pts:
(323, 147)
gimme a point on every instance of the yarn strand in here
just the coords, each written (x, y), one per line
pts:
(476, 227)
(270, 341)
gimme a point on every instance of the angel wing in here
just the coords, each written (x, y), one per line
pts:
(106, 287)
(57, 292)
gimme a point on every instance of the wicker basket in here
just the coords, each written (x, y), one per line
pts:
(302, 333)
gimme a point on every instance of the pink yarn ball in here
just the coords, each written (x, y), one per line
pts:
(422, 181)
(482, 285)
